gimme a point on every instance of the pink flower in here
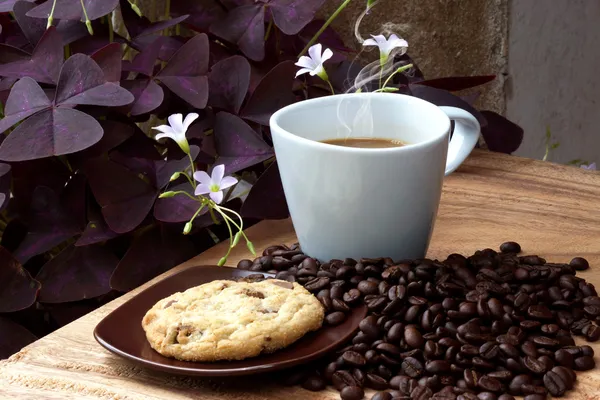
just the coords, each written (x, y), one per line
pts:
(214, 185)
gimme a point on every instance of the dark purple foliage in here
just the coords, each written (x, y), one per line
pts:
(14, 337)
(79, 179)
(153, 252)
(71, 9)
(18, 289)
(77, 273)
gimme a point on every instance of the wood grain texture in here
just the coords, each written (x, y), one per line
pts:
(552, 210)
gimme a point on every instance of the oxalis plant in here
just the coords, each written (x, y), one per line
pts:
(93, 202)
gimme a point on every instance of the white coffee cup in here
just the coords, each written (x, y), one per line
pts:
(367, 202)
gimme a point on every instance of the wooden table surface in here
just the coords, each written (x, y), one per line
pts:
(552, 210)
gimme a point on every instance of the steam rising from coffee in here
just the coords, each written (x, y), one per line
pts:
(362, 124)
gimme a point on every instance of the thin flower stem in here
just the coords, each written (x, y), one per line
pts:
(381, 77)
(212, 215)
(167, 9)
(197, 212)
(331, 87)
(88, 23)
(152, 10)
(401, 69)
(241, 226)
(325, 25)
(111, 33)
(188, 195)
(269, 28)
(193, 170)
(190, 180)
(51, 16)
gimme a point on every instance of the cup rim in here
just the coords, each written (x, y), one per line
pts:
(275, 127)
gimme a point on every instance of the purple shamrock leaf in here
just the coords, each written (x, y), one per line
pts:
(14, 336)
(125, 198)
(61, 130)
(292, 15)
(147, 93)
(72, 9)
(115, 133)
(6, 6)
(33, 28)
(9, 54)
(166, 169)
(5, 178)
(273, 92)
(500, 134)
(26, 98)
(229, 80)
(74, 198)
(108, 59)
(138, 27)
(266, 199)
(96, 230)
(179, 208)
(145, 60)
(441, 97)
(48, 222)
(185, 73)
(456, 83)
(18, 290)
(238, 145)
(202, 13)
(244, 26)
(44, 64)
(153, 252)
(77, 273)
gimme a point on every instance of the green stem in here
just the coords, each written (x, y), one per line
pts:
(152, 10)
(381, 77)
(190, 180)
(325, 25)
(193, 182)
(111, 33)
(178, 30)
(167, 9)
(51, 16)
(88, 23)
(240, 227)
(213, 216)
(269, 28)
(67, 51)
(187, 194)
(331, 87)
(197, 212)
(401, 69)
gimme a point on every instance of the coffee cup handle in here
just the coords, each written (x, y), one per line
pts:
(465, 136)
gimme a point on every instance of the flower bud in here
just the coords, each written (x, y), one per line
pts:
(187, 228)
(222, 261)
(88, 24)
(251, 247)
(236, 239)
(166, 195)
(175, 176)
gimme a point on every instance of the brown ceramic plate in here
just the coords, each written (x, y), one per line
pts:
(121, 332)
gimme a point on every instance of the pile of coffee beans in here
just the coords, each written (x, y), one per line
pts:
(486, 327)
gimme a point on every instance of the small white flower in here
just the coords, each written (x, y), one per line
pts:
(177, 130)
(386, 45)
(590, 167)
(314, 64)
(214, 185)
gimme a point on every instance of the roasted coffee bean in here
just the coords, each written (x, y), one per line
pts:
(487, 396)
(467, 396)
(331, 369)
(388, 348)
(314, 383)
(489, 350)
(421, 393)
(412, 367)
(564, 358)
(501, 375)
(584, 363)
(396, 332)
(568, 376)
(341, 379)
(544, 341)
(535, 397)
(530, 388)
(516, 384)
(354, 359)
(316, 284)
(383, 396)
(369, 326)
(555, 384)
(593, 333)
(510, 247)
(550, 329)
(437, 366)
(505, 396)
(529, 349)
(490, 384)
(376, 382)
(403, 384)
(534, 365)
(352, 296)
(335, 318)
(352, 393)
(579, 263)
(471, 377)
(359, 376)
(339, 305)
(413, 337)
(368, 287)
(511, 351)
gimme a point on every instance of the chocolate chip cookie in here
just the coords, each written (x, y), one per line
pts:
(227, 320)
